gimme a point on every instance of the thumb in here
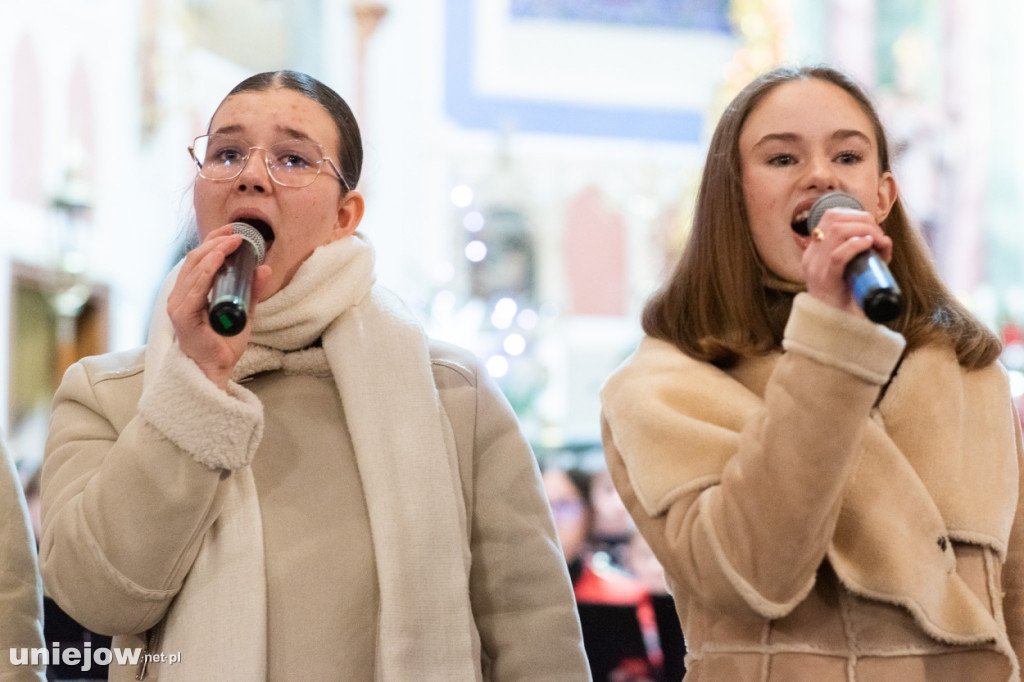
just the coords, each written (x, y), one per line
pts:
(261, 283)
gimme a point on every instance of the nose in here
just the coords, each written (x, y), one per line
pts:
(255, 175)
(821, 173)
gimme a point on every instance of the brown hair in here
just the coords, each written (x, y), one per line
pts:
(717, 305)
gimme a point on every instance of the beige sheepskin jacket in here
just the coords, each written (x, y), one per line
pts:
(814, 526)
(21, 591)
(121, 504)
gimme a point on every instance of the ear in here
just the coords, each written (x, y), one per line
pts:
(350, 214)
(887, 193)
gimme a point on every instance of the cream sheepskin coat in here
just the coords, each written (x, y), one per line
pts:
(811, 531)
(21, 600)
(119, 575)
(153, 512)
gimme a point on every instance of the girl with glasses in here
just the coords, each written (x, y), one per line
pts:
(327, 495)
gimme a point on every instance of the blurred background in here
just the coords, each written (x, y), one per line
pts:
(530, 164)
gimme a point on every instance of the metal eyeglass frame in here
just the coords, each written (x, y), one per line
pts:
(266, 162)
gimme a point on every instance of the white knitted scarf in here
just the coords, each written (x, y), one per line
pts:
(406, 458)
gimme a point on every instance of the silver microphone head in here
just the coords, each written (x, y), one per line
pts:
(827, 201)
(253, 236)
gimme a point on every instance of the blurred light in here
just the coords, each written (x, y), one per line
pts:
(462, 195)
(527, 318)
(1016, 383)
(1014, 297)
(443, 271)
(1013, 356)
(753, 25)
(444, 302)
(474, 221)
(549, 309)
(476, 251)
(514, 344)
(497, 366)
(74, 262)
(643, 207)
(504, 312)
(552, 437)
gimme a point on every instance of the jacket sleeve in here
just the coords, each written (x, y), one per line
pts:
(21, 604)
(1013, 569)
(739, 496)
(125, 501)
(521, 593)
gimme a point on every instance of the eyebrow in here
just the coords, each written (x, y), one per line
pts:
(839, 136)
(291, 132)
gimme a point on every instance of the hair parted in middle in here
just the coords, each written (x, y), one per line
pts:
(721, 302)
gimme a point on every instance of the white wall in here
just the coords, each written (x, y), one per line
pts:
(416, 147)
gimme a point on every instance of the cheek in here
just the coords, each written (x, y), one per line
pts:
(761, 235)
(203, 201)
(756, 196)
(318, 213)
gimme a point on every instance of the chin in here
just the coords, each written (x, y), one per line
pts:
(793, 278)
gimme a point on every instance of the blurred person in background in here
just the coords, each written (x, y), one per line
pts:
(619, 630)
(611, 527)
(327, 494)
(643, 564)
(832, 499)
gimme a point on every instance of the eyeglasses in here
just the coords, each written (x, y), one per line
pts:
(566, 510)
(290, 163)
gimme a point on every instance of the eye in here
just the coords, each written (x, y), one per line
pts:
(226, 154)
(295, 155)
(230, 156)
(849, 157)
(781, 160)
(292, 161)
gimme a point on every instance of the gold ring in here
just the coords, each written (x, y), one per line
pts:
(817, 235)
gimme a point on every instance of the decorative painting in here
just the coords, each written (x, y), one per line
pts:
(700, 15)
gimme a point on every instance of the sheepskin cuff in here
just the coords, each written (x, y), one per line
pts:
(218, 429)
(835, 337)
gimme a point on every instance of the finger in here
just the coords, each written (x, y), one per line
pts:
(846, 210)
(847, 216)
(189, 297)
(221, 231)
(261, 279)
(849, 249)
(219, 241)
(848, 224)
(883, 246)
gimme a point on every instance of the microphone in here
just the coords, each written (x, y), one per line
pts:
(232, 285)
(867, 275)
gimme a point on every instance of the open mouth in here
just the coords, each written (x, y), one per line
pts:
(799, 223)
(262, 226)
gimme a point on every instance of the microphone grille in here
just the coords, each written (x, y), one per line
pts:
(827, 201)
(253, 236)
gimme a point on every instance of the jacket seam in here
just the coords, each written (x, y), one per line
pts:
(750, 594)
(457, 367)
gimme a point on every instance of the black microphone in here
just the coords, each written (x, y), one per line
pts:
(867, 275)
(232, 285)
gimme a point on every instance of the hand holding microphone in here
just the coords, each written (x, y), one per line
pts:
(872, 285)
(230, 296)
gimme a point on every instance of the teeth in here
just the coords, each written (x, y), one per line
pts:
(799, 223)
